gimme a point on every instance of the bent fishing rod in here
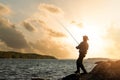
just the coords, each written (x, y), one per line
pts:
(67, 31)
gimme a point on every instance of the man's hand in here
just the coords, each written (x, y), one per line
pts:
(76, 47)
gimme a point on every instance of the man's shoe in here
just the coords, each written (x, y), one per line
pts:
(77, 72)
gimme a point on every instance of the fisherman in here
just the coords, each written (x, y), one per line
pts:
(83, 47)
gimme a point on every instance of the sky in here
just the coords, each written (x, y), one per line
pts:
(39, 26)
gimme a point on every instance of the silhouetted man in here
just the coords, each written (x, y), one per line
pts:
(83, 47)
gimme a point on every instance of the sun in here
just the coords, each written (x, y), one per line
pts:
(96, 42)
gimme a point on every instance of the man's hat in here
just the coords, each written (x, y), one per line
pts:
(85, 37)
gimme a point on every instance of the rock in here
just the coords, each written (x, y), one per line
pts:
(104, 70)
(2, 79)
(107, 70)
(72, 77)
(77, 77)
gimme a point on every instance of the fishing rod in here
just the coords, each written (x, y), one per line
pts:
(67, 31)
(65, 28)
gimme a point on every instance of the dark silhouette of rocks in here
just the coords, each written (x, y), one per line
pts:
(77, 77)
(15, 55)
(104, 70)
(109, 70)
(72, 77)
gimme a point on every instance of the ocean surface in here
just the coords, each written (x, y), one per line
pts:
(25, 69)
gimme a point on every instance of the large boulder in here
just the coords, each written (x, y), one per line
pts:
(107, 70)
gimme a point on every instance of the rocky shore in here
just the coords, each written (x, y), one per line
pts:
(104, 70)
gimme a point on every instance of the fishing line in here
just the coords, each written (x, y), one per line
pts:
(65, 28)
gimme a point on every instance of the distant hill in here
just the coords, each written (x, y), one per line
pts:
(98, 59)
(15, 55)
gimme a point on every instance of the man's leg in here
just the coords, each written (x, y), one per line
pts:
(83, 68)
(78, 66)
(81, 64)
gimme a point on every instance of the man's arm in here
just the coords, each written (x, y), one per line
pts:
(78, 47)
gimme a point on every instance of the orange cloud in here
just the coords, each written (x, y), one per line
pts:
(55, 34)
(51, 47)
(10, 36)
(28, 26)
(47, 31)
(4, 10)
(50, 8)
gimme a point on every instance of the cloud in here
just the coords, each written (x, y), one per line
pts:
(50, 8)
(80, 24)
(44, 41)
(4, 10)
(41, 22)
(51, 47)
(113, 42)
(53, 33)
(3, 46)
(11, 37)
(28, 26)
(48, 31)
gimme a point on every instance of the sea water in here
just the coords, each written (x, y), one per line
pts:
(52, 69)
